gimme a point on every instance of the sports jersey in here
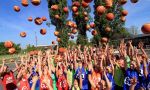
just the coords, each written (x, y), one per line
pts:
(111, 79)
(24, 85)
(54, 81)
(129, 75)
(62, 83)
(8, 80)
(119, 76)
(70, 76)
(43, 85)
(30, 80)
(84, 74)
(96, 79)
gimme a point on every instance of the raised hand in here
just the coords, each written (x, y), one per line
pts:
(136, 51)
(140, 45)
(133, 81)
(34, 79)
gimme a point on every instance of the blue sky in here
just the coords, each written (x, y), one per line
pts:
(12, 23)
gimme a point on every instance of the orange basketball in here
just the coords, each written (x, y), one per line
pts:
(56, 33)
(94, 32)
(36, 2)
(86, 18)
(12, 50)
(43, 31)
(107, 29)
(88, 27)
(30, 19)
(8, 44)
(23, 34)
(88, 1)
(74, 9)
(108, 3)
(110, 16)
(85, 4)
(123, 18)
(74, 31)
(38, 21)
(70, 23)
(76, 3)
(146, 28)
(123, 2)
(124, 12)
(54, 7)
(92, 25)
(65, 9)
(134, 1)
(44, 18)
(57, 16)
(62, 50)
(100, 10)
(85, 13)
(17, 8)
(58, 40)
(24, 3)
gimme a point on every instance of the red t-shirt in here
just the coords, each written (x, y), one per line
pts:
(62, 83)
(24, 85)
(96, 79)
(8, 78)
(43, 86)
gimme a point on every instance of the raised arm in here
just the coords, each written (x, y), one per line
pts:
(109, 84)
(17, 67)
(145, 67)
(131, 49)
(112, 65)
(34, 80)
(137, 60)
(39, 63)
(49, 56)
(142, 49)
(2, 68)
(133, 83)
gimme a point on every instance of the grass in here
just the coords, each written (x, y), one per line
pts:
(8, 57)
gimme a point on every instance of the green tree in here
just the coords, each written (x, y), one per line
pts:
(81, 21)
(133, 30)
(30, 48)
(4, 51)
(101, 22)
(60, 21)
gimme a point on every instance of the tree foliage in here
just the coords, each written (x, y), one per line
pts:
(101, 22)
(60, 23)
(4, 51)
(81, 23)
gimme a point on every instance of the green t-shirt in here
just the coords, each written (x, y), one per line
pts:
(128, 61)
(54, 81)
(119, 76)
(70, 75)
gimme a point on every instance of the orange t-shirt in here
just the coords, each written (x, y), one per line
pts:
(96, 79)
(43, 86)
(24, 85)
(7, 79)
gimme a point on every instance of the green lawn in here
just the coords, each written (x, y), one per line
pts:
(7, 57)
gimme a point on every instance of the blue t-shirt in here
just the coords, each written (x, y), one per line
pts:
(84, 74)
(129, 75)
(37, 87)
(148, 82)
(111, 79)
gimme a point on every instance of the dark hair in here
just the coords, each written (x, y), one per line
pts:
(117, 57)
(96, 68)
(11, 86)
